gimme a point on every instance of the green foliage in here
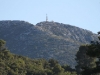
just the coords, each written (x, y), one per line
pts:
(92, 51)
(83, 60)
(45, 39)
(2, 43)
(11, 64)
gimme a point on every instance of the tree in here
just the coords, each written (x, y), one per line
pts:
(2, 44)
(52, 62)
(94, 51)
(58, 69)
(83, 60)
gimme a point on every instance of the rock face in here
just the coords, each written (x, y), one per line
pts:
(45, 39)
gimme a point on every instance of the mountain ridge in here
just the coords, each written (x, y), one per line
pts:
(45, 39)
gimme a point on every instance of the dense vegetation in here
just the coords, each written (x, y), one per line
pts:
(11, 64)
(88, 59)
(45, 39)
(88, 63)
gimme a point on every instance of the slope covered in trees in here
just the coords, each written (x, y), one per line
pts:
(88, 58)
(11, 64)
(45, 39)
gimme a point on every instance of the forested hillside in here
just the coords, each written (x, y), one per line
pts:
(11, 64)
(45, 39)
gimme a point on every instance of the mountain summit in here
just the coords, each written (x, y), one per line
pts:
(45, 39)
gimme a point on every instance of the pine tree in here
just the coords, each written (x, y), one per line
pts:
(94, 51)
(2, 44)
(83, 60)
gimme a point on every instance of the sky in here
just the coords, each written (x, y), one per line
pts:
(81, 13)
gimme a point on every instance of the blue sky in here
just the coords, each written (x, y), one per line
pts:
(81, 13)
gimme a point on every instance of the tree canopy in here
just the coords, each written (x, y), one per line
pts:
(88, 58)
(11, 64)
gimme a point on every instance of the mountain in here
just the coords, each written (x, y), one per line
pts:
(45, 39)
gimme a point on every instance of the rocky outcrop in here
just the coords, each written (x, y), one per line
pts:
(45, 39)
